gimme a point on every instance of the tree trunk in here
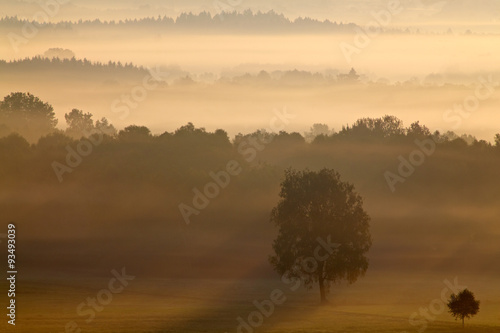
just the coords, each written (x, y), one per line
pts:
(321, 280)
(322, 290)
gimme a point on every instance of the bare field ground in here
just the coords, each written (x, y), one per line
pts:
(375, 304)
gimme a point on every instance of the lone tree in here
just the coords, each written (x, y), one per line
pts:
(464, 305)
(315, 206)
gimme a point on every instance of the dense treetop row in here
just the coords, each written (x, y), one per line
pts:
(204, 21)
(27, 115)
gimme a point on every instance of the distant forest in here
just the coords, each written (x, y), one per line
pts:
(56, 63)
(53, 63)
(228, 22)
(204, 22)
(116, 70)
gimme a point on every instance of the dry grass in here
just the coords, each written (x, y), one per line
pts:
(375, 304)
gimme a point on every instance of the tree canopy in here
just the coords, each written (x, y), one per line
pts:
(314, 207)
(26, 114)
(463, 305)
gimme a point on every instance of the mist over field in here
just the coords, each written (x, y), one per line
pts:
(178, 166)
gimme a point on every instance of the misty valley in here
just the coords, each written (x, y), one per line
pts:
(250, 166)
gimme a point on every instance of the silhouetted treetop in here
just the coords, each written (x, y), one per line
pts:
(26, 114)
(69, 64)
(230, 22)
(463, 305)
(134, 133)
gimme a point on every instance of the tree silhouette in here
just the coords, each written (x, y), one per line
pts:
(134, 133)
(82, 125)
(105, 127)
(317, 130)
(367, 129)
(417, 131)
(227, 17)
(351, 77)
(463, 305)
(27, 115)
(78, 123)
(317, 205)
(59, 53)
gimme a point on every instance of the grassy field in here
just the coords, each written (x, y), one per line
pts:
(375, 304)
